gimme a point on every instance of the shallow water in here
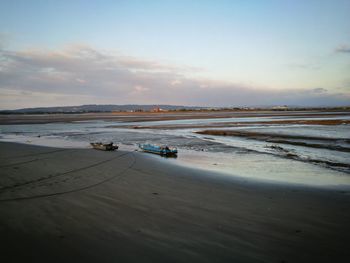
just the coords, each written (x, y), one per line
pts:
(232, 155)
(265, 168)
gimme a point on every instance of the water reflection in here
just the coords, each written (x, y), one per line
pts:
(232, 155)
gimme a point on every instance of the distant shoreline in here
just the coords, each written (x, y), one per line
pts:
(155, 116)
(180, 110)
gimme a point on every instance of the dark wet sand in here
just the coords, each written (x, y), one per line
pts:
(308, 141)
(68, 205)
(162, 116)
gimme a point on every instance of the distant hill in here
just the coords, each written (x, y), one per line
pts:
(136, 107)
(97, 108)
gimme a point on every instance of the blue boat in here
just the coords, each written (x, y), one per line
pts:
(163, 150)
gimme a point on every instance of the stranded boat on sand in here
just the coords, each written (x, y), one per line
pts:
(104, 147)
(161, 150)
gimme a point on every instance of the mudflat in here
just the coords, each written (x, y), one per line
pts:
(177, 115)
(84, 205)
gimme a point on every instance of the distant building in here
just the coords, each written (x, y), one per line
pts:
(284, 107)
(157, 109)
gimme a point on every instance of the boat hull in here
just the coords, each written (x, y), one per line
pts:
(158, 150)
(104, 147)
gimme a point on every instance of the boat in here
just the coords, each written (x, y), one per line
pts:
(163, 150)
(104, 146)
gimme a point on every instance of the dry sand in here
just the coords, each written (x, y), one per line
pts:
(70, 205)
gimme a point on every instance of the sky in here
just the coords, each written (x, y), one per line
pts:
(183, 52)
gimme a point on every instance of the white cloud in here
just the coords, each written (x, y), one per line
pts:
(343, 49)
(82, 81)
(175, 82)
(140, 89)
(80, 74)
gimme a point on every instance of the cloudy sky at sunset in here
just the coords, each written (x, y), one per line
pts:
(203, 53)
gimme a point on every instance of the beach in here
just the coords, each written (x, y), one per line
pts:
(248, 144)
(161, 116)
(174, 131)
(75, 205)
